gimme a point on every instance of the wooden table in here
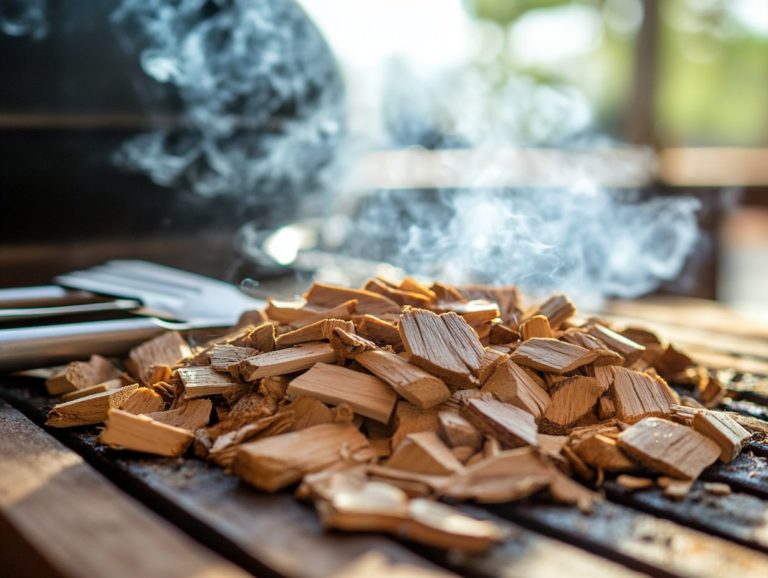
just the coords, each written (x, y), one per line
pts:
(69, 507)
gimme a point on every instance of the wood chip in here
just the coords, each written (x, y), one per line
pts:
(625, 347)
(600, 451)
(634, 482)
(110, 385)
(557, 309)
(419, 387)
(88, 410)
(379, 331)
(398, 295)
(669, 448)
(205, 381)
(317, 331)
(348, 345)
(675, 489)
(606, 408)
(81, 374)
(511, 425)
(344, 311)
(140, 433)
(322, 295)
(410, 419)
(275, 462)
(190, 416)
(492, 358)
(366, 394)
(574, 398)
(536, 326)
(458, 432)
(143, 400)
(424, 453)
(444, 345)
(285, 361)
(414, 286)
(224, 357)
(637, 395)
(512, 384)
(166, 349)
(603, 355)
(717, 489)
(551, 355)
(723, 430)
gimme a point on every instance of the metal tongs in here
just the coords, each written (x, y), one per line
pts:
(179, 300)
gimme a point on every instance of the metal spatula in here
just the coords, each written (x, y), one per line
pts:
(194, 301)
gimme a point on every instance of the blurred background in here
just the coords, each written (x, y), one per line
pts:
(161, 130)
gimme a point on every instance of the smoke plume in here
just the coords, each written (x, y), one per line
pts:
(24, 18)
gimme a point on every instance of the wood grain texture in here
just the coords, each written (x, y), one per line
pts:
(82, 525)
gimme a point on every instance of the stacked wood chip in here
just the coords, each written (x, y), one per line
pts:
(381, 402)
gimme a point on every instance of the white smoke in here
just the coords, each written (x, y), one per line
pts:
(261, 100)
(24, 18)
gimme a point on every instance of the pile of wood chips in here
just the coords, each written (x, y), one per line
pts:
(388, 403)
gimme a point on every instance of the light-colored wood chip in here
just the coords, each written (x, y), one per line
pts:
(536, 326)
(511, 425)
(606, 409)
(421, 388)
(205, 381)
(344, 311)
(190, 416)
(317, 331)
(110, 385)
(458, 432)
(624, 346)
(637, 395)
(88, 410)
(410, 419)
(322, 295)
(603, 355)
(675, 489)
(381, 332)
(723, 430)
(285, 361)
(166, 349)
(223, 358)
(140, 433)
(669, 448)
(551, 355)
(574, 398)
(492, 358)
(366, 394)
(511, 383)
(557, 309)
(143, 400)
(396, 294)
(634, 482)
(81, 374)
(600, 451)
(278, 461)
(348, 345)
(444, 345)
(424, 453)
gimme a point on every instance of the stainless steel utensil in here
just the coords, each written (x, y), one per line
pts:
(196, 301)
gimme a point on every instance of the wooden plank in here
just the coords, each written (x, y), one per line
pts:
(216, 508)
(77, 521)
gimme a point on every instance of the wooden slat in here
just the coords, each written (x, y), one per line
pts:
(276, 534)
(79, 523)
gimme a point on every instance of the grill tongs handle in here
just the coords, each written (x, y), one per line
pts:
(41, 346)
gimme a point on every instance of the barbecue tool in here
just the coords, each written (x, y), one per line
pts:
(192, 302)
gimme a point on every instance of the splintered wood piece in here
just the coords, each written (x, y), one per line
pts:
(309, 412)
(424, 453)
(422, 389)
(444, 345)
(411, 419)
(344, 311)
(506, 298)
(285, 361)
(536, 326)
(606, 409)
(205, 381)
(81, 374)
(317, 331)
(675, 489)
(275, 462)
(723, 430)
(557, 309)
(502, 334)
(669, 448)
(476, 313)
(551, 355)
(127, 431)
(379, 331)
(447, 293)
(634, 482)
(366, 394)
(458, 432)
(166, 349)
(322, 295)
(672, 361)
(508, 476)
(511, 425)
(88, 410)
(224, 357)
(625, 347)
(604, 356)
(282, 311)
(194, 414)
(262, 338)
(600, 451)
(492, 358)
(143, 400)
(224, 448)
(510, 383)
(413, 286)
(110, 385)
(398, 295)
(348, 345)
(575, 398)
(637, 395)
